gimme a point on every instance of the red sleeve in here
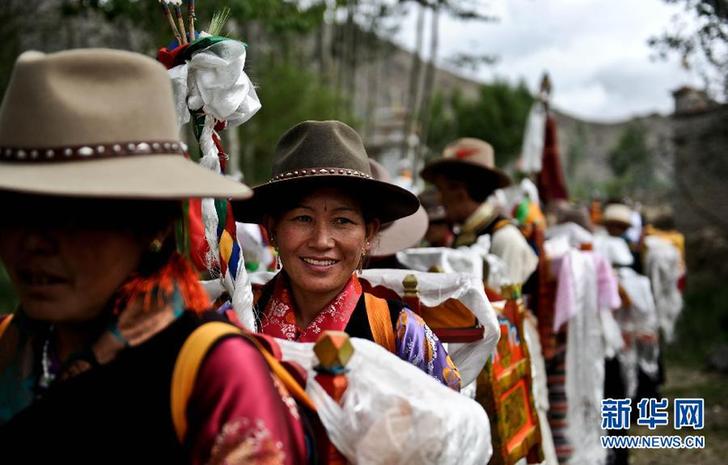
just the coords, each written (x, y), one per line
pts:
(239, 414)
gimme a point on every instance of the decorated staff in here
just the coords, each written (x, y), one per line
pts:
(172, 25)
(191, 17)
(180, 20)
(213, 92)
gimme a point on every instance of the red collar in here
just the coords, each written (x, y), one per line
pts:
(279, 315)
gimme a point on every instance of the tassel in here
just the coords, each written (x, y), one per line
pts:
(157, 289)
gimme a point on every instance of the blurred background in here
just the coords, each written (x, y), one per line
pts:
(638, 92)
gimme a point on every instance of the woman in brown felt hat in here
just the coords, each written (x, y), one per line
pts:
(323, 211)
(92, 175)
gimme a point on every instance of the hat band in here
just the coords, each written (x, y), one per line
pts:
(91, 151)
(319, 171)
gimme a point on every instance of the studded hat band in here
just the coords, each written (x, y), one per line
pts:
(320, 171)
(90, 152)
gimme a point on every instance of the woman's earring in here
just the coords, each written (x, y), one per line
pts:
(155, 246)
(279, 264)
(360, 268)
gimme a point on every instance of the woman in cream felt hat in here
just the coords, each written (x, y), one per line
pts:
(323, 210)
(399, 234)
(92, 179)
(617, 215)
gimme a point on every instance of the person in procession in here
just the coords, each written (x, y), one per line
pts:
(92, 179)
(323, 211)
(465, 177)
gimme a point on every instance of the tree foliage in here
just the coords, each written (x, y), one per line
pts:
(291, 96)
(630, 153)
(576, 152)
(702, 42)
(631, 161)
(498, 116)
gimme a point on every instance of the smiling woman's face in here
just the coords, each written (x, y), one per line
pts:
(321, 241)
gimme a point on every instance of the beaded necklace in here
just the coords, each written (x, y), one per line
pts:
(47, 376)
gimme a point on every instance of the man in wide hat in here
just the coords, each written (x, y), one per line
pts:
(466, 176)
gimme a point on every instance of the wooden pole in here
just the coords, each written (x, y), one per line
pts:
(168, 15)
(191, 18)
(333, 350)
(180, 21)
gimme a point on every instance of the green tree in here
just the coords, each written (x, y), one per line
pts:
(631, 161)
(575, 154)
(422, 84)
(498, 116)
(702, 43)
(290, 95)
(630, 153)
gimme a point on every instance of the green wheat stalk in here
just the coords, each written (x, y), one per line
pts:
(218, 21)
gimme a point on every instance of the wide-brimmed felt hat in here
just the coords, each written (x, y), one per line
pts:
(98, 123)
(316, 154)
(618, 214)
(468, 160)
(402, 233)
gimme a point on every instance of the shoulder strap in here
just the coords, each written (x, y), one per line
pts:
(500, 224)
(4, 323)
(190, 358)
(380, 321)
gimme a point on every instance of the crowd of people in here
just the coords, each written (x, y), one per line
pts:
(96, 190)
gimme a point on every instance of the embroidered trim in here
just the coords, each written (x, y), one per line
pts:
(91, 151)
(319, 171)
(242, 441)
(279, 317)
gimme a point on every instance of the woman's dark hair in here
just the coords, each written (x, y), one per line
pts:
(479, 192)
(156, 217)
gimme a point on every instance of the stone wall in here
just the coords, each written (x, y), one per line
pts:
(700, 203)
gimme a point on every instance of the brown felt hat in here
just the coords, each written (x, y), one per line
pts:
(98, 123)
(316, 154)
(468, 160)
(400, 234)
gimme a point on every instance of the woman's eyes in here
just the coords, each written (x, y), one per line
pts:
(339, 221)
(343, 220)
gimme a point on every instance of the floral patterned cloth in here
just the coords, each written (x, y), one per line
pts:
(417, 344)
(279, 317)
(415, 341)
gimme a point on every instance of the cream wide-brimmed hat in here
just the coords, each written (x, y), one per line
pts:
(98, 123)
(402, 233)
(618, 214)
(468, 160)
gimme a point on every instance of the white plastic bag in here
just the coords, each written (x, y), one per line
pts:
(392, 413)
